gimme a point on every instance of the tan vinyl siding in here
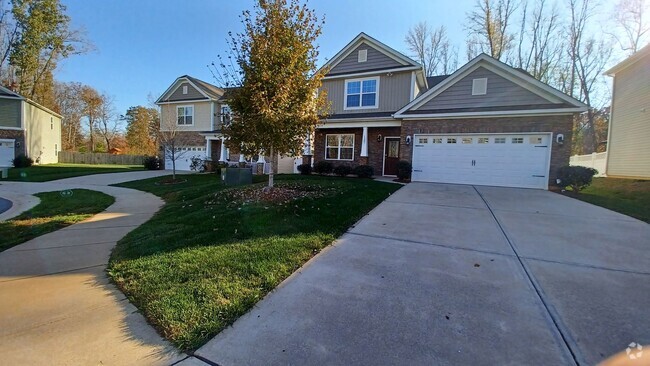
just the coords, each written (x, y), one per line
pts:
(192, 93)
(500, 92)
(376, 60)
(629, 141)
(43, 134)
(10, 113)
(394, 93)
(202, 119)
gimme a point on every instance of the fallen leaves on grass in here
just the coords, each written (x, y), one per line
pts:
(281, 194)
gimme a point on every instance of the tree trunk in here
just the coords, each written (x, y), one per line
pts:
(271, 168)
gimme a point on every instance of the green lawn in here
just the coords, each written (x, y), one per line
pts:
(208, 256)
(627, 196)
(55, 211)
(44, 173)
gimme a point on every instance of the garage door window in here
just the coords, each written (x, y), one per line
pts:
(467, 140)
(339, 147)
(436, 141)
(500, 140)
(517, 140)
(423, 140)
(451, 140)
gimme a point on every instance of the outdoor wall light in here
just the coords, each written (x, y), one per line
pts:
(560, 139)
(379, 137)
(17, 143)
(408, 139)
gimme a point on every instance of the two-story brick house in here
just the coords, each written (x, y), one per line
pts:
(487, 123)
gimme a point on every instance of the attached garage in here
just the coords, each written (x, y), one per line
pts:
(508, 160)
(7, 152)
(184, 157)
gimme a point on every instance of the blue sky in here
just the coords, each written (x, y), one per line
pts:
(143, 45)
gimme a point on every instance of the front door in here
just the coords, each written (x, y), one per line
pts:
(391, 155)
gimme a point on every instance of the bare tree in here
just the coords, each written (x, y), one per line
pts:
(489, 28)
(633, 29)
(92, 102)
(8, 36)
(432, 49)
(108, 123)
(172, 140)
(540, 41)
(71, 107)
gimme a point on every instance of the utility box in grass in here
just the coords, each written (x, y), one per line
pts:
(236, 176)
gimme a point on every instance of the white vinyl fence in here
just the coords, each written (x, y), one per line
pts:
(597, 161)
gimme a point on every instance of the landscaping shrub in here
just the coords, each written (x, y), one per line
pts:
(342, 170)
(304, 169)
(404, 169)
(153, 163)
(198, 164)
(22, 161)
(323, 167)
(576, 177)
(363, 171)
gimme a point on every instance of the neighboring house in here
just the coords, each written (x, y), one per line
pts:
(628, 141)
(487, 123)
(27, 128)
(197, 110)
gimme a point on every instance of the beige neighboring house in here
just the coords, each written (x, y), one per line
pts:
(628, 142)
(27, 127)
(196, 110)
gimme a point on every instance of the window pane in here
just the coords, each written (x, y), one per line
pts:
(436, 141)
(423, 140)
(483, 140)
(353, 100)
(517, 140)
(180, 111)
(346, 153)
(467, 140)
(451, 140)
(354, 87)
(331, 153)
(370, 86)
(393, 149)
(368, 99)
(500, 140)
(332, 140)
(181, 120)
(188, 120)
(347, 140)
(189, 111)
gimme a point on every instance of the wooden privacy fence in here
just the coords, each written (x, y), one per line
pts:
(99, 158)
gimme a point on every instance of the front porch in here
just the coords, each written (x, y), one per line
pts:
(378, 147)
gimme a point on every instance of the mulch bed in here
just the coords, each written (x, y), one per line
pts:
(280, 194)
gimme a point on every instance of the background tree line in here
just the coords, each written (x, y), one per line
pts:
(564, 43)
(35, 36)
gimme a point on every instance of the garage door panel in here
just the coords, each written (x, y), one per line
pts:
(7, 148)
(513, 160)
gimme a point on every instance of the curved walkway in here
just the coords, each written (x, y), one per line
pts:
(4, 205)
(58, 306)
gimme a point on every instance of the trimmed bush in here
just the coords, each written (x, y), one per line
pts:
(22, 161)
(576, 177)
(323, 167)
(404, 169)
(304, 169)
(342, 170)
(363, 171)
(153, 163)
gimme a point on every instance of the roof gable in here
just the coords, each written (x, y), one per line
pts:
(511, 89)
(639, 55)
(380, 56)
(195, 90)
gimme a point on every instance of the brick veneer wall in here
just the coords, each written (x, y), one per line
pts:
(17, 135)
(560, 154)
(375, 148)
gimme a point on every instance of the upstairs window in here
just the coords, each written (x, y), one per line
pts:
(361, 93)
(185, 115)
(226, 114)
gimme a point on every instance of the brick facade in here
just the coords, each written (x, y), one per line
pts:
(557, 124)
(17, 135)
(375, 148)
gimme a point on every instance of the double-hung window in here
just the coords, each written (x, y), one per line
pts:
(185, 115)
(339, 147)
(362, 93)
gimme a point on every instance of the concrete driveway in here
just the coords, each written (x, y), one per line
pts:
(450, 274)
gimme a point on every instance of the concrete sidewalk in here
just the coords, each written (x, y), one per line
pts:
(58, 307)
(458, 275)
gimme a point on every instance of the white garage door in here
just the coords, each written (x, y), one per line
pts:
(184, 157)
(6, 152)
(512, 160)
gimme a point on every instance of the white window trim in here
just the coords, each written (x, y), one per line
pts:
(482, 82)
(185, 106)
(345, 96)
(338, 155)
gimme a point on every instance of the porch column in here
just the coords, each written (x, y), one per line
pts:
(208, 148)
(306, 151)
(260, 164)
(242, 158)
(364, 143)
(224, 152)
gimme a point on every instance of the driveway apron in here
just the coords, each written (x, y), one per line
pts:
(58, 307)
(454, 274)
